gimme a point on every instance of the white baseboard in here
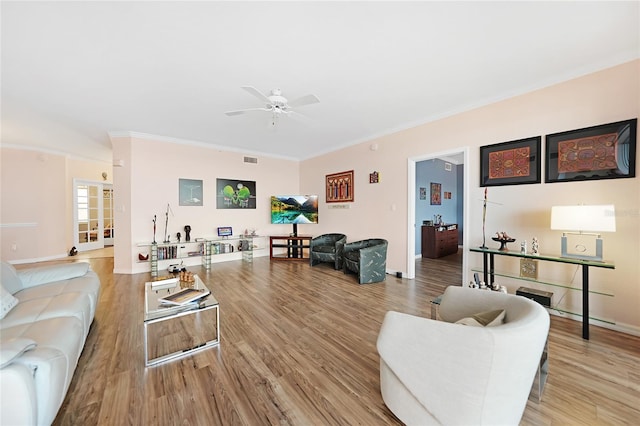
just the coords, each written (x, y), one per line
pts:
(622, 328)
(39, 259)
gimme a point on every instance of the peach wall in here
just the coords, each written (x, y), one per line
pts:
(151, 170)
(381, 210)
(36, 200)
(148, 181)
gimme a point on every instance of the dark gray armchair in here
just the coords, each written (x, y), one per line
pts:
(327, 248)
(367, 258)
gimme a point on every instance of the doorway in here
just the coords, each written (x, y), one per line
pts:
(463, 218)
(92, 215)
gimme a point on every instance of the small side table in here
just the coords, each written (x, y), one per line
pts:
(541, 375)
(434, 307)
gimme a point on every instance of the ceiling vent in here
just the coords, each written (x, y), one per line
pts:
(251, 160)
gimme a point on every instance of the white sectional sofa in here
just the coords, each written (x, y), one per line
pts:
(44, 322)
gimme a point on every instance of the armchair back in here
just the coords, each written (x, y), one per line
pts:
(327, 248)
(367, 258)
(438, 372)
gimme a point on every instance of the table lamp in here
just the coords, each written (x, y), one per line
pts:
(583, 220)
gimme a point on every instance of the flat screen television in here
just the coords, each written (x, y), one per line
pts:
(294, 209)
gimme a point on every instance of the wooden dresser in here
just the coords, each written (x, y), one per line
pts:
(438, 241)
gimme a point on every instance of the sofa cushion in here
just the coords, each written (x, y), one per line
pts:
(13, 348)
(63, 305)
(88, 284)
(64, 335)
(9, 278)
(484, 319)
(7, 302)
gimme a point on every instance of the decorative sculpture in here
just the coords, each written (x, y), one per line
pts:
(154, 229)
(503, 238)
(187, 233)
(534, 246)
(484, 220)
(166, 224)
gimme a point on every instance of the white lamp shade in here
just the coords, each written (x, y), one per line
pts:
(601, 218)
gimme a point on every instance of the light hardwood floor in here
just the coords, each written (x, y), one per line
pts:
(298, 347)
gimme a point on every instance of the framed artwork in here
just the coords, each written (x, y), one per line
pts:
(511, 163)
(436, 194)
(189, 192)
(235, 194)
(374, 177)
(607, 151)
(423, 193)
(529, 268)
(340, 187)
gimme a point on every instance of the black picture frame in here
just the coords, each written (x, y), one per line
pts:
(235, 194)
(606, 151)
(511, 163)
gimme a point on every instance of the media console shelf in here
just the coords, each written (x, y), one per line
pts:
(297, 247)
(489, 275)
(205, 248)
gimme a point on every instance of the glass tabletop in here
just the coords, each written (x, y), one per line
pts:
(154, 309)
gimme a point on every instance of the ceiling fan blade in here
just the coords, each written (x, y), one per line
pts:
(305, 100)
(299, 117)
(255, 92)
(243, 111)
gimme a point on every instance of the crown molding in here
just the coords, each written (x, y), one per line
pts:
(50, 151)
(179, 141)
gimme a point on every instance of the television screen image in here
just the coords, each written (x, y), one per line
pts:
(294, 209)
(225, 231)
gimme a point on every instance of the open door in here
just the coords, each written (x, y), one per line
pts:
(412, 229)
(93, 215)
(107, 209)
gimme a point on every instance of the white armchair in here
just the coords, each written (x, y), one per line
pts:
(439, 372)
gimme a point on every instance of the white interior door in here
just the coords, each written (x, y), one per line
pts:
(88, 215)
(107, 213)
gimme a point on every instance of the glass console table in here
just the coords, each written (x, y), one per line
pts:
(490, 273)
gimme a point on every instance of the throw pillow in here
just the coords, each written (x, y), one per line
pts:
(10, 279)
(7, 301)
(484, 319)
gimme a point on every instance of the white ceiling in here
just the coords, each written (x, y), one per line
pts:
(72, 72)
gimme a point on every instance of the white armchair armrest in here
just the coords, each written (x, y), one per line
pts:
(402, 344)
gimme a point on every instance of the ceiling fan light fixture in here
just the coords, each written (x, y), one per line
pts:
(275, 103)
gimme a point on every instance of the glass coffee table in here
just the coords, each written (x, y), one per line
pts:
(173, 331)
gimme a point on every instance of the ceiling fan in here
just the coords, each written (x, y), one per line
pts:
(275, 103)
